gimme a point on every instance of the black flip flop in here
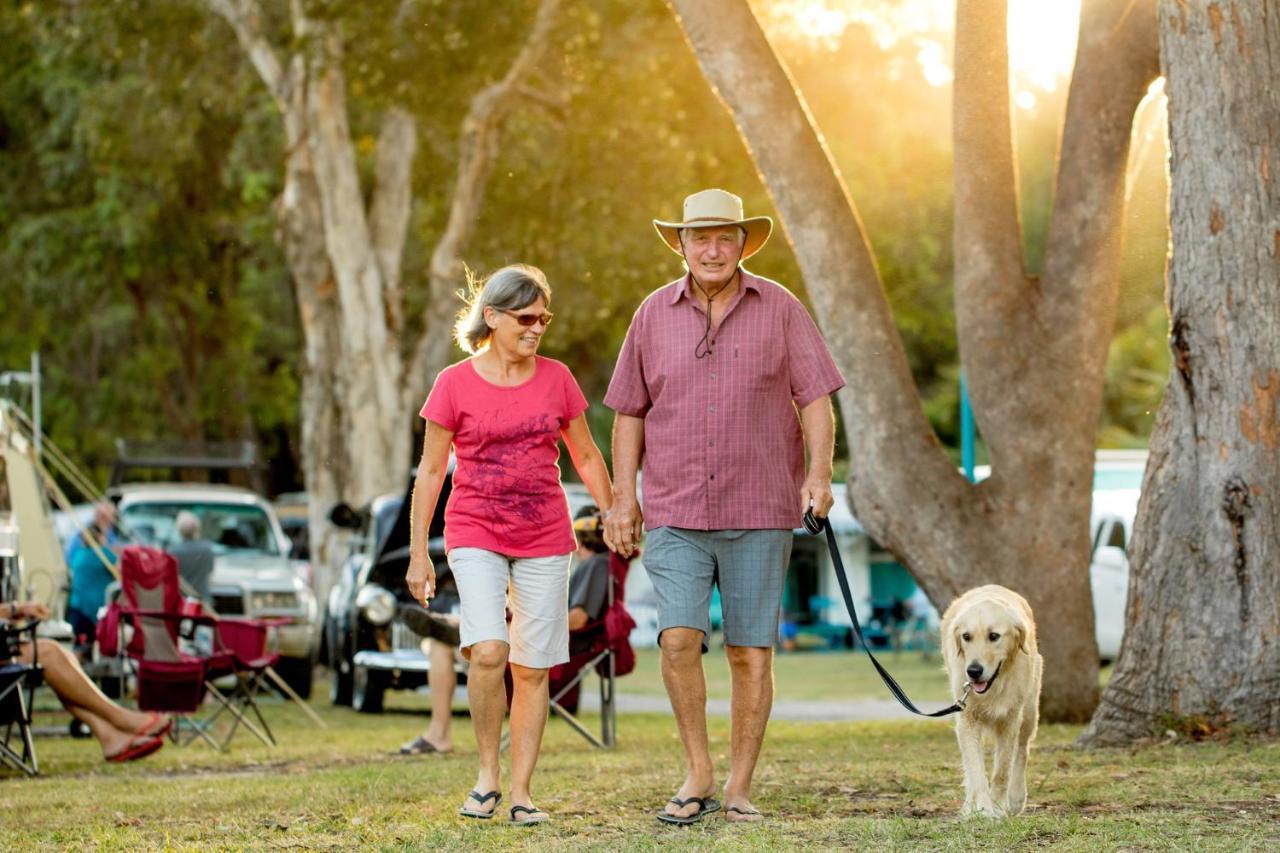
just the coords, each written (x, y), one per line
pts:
(481, 799)
(418, 746)
(535, 816)
(706, 805)
(744, 813)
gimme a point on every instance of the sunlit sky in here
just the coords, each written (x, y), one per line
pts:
(1042, 34)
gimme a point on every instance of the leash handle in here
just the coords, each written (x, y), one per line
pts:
(816, 525)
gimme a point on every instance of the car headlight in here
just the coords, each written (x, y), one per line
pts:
(377, 604)
(269, 600)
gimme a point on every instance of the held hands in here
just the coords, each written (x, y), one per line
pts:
(421, 578)
(816, 493)
(623, 525)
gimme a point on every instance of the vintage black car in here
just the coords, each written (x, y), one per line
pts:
(368, 649)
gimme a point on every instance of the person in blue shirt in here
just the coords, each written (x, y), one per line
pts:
(90, 576)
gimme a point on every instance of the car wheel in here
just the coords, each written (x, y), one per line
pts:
(340, 682)
(367, 689)
(297, 673)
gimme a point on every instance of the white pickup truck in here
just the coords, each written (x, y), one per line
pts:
(253, 574)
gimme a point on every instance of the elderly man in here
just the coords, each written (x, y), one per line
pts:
(722, 383)
(194, 554)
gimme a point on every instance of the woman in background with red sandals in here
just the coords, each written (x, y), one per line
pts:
(124, 735)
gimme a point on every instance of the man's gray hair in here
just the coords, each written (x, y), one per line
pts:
(188, 525)
(509, 289)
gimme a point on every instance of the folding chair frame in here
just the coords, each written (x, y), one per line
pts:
(23, 689)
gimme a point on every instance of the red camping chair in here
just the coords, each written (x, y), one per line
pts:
(169, 679)
(608, 653)
(245, 640)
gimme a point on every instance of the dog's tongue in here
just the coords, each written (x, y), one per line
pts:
(980, 686)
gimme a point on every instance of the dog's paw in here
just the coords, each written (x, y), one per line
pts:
(1013, 806)
(981, 807)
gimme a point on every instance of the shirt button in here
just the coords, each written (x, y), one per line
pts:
(713, 476)
(713, 376)
(712, 407)
(711, 443)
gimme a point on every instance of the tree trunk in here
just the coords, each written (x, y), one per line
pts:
(1202, 634)
(358, 391)
(1034, 365)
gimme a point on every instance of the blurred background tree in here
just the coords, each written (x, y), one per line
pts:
(140, 161)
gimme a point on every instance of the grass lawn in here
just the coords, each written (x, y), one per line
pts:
(827, 785)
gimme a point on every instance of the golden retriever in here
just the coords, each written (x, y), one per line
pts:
(989, 644)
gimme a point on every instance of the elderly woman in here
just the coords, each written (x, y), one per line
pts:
(508, 535)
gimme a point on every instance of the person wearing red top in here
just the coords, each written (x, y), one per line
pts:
(508, 535)
(722, 382)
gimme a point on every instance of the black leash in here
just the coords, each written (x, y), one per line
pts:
(816, 525)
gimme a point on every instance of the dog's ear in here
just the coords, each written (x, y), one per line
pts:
(1020, 632)
(956, 647)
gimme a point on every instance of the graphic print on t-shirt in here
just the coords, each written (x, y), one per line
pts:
(502, 465)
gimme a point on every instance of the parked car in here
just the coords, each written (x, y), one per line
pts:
(253, 574)
(368, 650)
(1112, 523)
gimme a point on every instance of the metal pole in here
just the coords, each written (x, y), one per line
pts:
(35, 399)
(967, 436)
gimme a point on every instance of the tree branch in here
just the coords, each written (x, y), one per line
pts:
(1116, 62)
(884, 422)
(990, 285)
(390, 206)
(245, 18)
(477, 149)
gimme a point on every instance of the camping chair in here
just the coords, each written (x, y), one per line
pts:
(608, 653)
(169, 679)
(18, 683)
(241, 651)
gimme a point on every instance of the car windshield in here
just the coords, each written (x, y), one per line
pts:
(228, 527)
(384, 520)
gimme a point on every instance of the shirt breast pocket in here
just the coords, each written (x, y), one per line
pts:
(762, 366)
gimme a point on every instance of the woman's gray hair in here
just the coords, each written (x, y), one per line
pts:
(509, 289)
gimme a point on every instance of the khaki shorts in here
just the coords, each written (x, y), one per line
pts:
(535, 588)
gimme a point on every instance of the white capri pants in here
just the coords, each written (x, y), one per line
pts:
(538, 596)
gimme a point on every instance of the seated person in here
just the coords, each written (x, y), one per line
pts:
(124, 735)
(90, 577)
(194, 554)
(588, 598)
(439, 625)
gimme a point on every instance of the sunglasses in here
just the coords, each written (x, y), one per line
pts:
(529, 319)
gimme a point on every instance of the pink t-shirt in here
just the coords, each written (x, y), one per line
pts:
(506, 493)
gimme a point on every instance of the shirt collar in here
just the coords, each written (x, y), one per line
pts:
(685, 282)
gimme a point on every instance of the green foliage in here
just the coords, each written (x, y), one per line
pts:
(134, 250)
(140, 159)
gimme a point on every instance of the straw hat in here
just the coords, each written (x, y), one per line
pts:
(711, 208)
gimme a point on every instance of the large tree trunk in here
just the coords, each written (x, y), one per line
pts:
(358, 388)
(1032, 356)
(1202, 634)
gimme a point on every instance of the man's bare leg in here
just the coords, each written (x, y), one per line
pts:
(687, 687)
(751, 672)
(442, 681)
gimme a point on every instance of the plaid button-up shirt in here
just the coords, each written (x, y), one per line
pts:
(723, 448)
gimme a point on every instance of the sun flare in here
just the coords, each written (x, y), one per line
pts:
(1042, 34)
